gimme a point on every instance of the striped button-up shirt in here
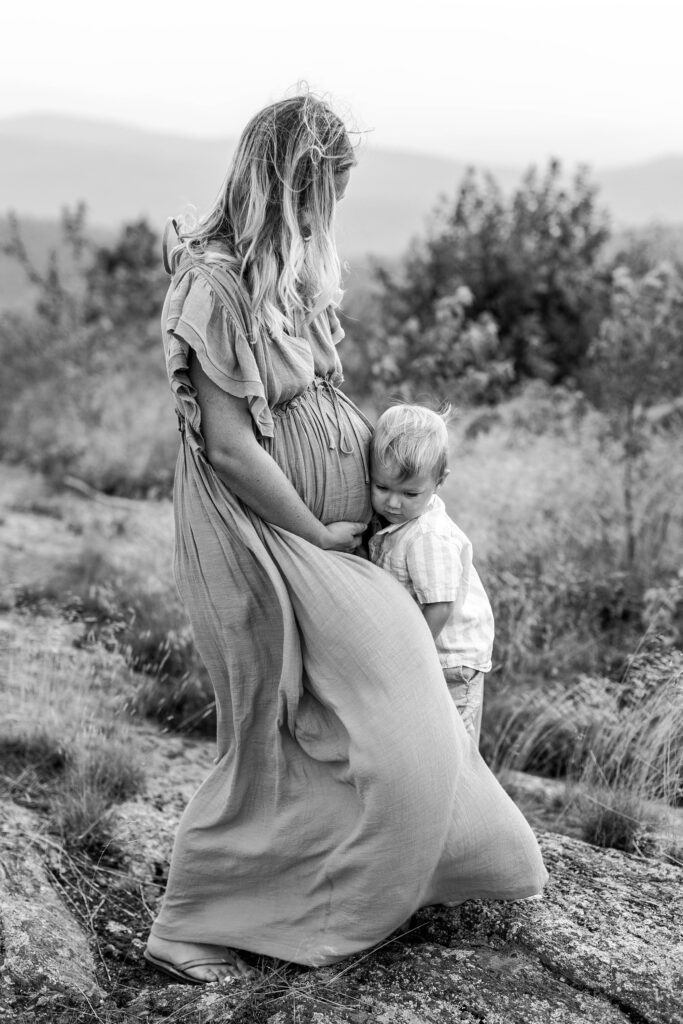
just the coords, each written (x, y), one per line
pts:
(432, 558)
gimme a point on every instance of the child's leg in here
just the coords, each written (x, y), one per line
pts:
(466, 687)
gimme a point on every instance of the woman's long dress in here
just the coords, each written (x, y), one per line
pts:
(346, 792)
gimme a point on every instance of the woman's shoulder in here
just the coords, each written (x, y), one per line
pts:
(210, 280)
(213, 261)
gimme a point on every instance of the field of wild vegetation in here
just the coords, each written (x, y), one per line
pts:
(558, 344)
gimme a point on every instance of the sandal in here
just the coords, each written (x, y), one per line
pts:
(179, 971)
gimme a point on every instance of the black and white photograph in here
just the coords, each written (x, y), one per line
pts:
(341, 513)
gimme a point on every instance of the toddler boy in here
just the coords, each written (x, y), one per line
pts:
(418, 543)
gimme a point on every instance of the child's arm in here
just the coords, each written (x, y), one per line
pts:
(436, 615)
(435, 571)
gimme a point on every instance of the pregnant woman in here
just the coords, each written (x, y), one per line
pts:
(346, 792)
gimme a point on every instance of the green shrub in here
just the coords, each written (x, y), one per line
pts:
(502, 288)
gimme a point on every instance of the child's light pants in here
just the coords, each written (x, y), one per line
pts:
(466, 687)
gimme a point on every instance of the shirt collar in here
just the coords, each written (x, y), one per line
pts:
(435, 502)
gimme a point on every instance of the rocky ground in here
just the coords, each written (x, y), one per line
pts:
(604, 945)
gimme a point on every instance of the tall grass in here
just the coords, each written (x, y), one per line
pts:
(537, 485)
(98, 778)
(618, 744)
(131, 611)
(597, 731)
(65, 747)
(540, 482)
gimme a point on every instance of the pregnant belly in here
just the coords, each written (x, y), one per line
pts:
(321, 443)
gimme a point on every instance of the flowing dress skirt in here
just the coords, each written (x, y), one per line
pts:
(346, 792)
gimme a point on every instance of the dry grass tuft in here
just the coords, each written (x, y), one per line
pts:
(620, 742)
(37, 750)
(132, 612)
(66, 747)
(546, 732)
(537, 485)
(616, 821)
(99, 778)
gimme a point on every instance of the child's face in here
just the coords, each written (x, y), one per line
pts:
(399, 500)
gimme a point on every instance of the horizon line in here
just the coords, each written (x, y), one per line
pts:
(520, 165)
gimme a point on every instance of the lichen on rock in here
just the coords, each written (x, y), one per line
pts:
(45, 948)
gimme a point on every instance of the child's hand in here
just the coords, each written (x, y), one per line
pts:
(344, 536)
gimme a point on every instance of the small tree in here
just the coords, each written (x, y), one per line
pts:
(454, 357)
(60, 288)
(531, 263)
(635, 367)
(126, 281)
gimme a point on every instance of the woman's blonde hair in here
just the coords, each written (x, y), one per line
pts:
(414, 438)
(274, 216)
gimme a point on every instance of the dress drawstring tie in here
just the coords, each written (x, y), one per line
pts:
(323, 384)
(334, 426)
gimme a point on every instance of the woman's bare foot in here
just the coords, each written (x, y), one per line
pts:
(165, 954)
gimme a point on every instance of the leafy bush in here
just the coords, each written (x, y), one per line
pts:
(500, 289)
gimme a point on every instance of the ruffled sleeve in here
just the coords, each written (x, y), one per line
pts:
(201, 314)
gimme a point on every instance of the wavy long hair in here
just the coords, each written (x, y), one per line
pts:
(274, 216)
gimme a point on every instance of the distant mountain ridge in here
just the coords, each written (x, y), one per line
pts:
(122, 173)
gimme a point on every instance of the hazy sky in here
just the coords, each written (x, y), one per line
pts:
(506, 81)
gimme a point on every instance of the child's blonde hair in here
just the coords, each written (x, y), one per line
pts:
(413, 437)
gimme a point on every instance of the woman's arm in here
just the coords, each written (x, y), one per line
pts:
(250, 472)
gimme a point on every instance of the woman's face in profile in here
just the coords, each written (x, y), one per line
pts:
(341, 179)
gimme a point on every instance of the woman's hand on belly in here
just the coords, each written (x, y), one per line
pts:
(253, 475)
